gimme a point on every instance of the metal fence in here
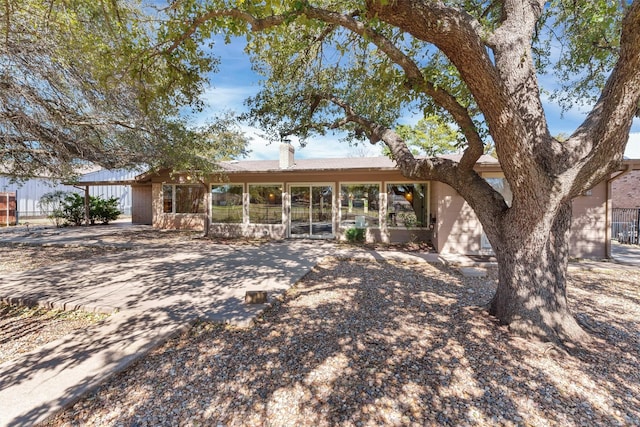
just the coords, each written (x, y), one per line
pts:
(625, 224)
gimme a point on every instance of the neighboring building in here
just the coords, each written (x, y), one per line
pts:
(105, 184)
(625, 190)
(324, 198)
(625, 203)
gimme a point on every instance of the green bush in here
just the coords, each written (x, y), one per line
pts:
(73, 209)
(69, 207)
(355, 235)
(103, 210)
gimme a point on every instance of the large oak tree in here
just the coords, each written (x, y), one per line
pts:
(357, 65)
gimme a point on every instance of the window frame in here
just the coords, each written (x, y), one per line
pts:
(174, 204)
(356, 183)
(427, 205)
(242, 193)
(281, 188)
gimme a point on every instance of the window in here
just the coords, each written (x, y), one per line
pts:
(407, 205)
(167, 198)
(360, 202)
(182, 199)
(226, 203)
(265, 204)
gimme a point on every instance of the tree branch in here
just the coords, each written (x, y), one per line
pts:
(415, 78)
(257, 24)
(466, 181)
(596, 146)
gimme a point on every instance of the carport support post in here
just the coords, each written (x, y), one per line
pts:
(86, 205)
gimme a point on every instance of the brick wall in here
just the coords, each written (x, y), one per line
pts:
(625, 191)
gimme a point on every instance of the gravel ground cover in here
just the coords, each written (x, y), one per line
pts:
(367, 344)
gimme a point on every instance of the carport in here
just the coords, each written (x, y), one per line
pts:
(141, 207)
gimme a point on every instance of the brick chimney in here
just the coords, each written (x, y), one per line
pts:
(286, 156)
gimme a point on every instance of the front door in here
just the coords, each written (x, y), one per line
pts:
(311, 210)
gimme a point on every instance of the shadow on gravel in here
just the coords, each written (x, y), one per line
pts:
(166, 287)
(378, 344)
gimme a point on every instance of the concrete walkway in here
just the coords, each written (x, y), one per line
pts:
(625, 254)
(153, 292)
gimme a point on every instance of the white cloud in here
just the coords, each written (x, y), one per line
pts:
(318, 148)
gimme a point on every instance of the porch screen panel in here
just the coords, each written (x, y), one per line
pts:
(360, 200)
(265, 204)
(407, 205)
(226, 203)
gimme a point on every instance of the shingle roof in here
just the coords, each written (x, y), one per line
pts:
(329, 164)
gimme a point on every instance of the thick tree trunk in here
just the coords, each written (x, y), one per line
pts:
(531, 295)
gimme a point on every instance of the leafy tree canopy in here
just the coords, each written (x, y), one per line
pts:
(431, 136)
(84, 80)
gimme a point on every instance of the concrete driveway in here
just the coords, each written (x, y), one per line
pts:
(154, 292)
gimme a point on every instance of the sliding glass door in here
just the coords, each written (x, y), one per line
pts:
(311, 210)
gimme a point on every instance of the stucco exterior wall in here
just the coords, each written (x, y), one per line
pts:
(457, 229)
(588, 226)
(174, 221)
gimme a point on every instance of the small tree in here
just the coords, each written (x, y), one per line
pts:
(52, 205)
(431, 136)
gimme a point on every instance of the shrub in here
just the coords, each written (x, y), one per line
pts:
(355, 235)
(70, 208)
(103, 210)
(73, 209)
(52, 205)
(409, 220)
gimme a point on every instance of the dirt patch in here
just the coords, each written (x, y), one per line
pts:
(23, 329)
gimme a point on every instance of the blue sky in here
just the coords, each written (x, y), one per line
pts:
(235, 82)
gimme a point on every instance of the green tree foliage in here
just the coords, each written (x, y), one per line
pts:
(431, 136)
(357, 65)
(86, 80)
